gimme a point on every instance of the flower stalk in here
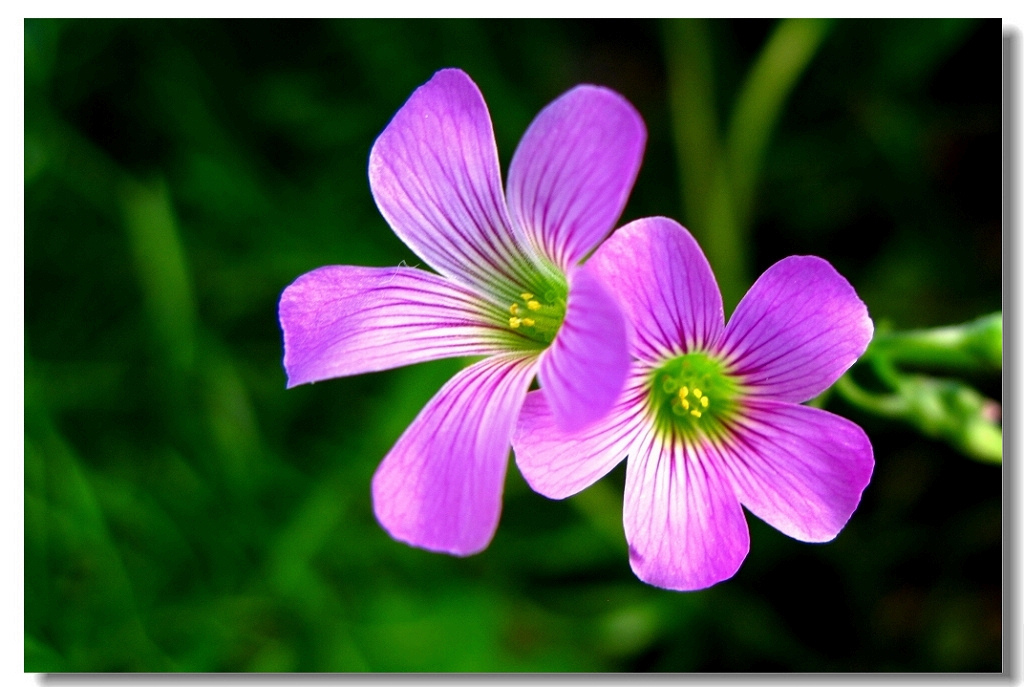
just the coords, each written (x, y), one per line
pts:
(947, 409)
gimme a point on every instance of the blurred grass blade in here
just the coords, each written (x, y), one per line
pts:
(705, 185)
(719, 178)
(789, 51)
(692, 106)
(67, 538)
(160, 261)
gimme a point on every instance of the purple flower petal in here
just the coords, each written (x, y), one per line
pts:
(683, 522)
(798, 329)
(582, 371)
(434, 174)
(557, 463)
(345, 320)
(573, 171)
(802, 470)
(440, 487)
(666, 287)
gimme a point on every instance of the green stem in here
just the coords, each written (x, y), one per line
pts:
(943, 409)
(789, 51)
(976, 345)
(885, 405)
(692, 107)
(718, 179)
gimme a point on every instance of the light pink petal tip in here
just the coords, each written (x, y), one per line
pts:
(583, 370)
(684, 524)
(572, 173)
(440, 487)
(802, 470)
(666, 287)
(434, 174)
(798, 329)
(343, 320)
(557, 463)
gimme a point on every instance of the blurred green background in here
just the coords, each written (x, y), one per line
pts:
(183, 512)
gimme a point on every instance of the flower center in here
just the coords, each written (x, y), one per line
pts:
(538, 317)
(694, 394)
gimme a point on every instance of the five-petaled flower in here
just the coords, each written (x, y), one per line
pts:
(710, 417)
(510, 286)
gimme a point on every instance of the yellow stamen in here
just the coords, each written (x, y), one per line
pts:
(533, 305)
(526, 296)
(686, 404)
(514, 322)
(697, 392)
(514, 308)
(528, 322)
(684, 392)
(695, 413)
(704, 401)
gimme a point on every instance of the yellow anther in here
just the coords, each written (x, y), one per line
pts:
(528, 322)
(533, 305)
(695, 413)
(526, 296)
(697, 392)
(514, 308)
(684, 392)
(514, 322)
(686, 404)
(704, 401)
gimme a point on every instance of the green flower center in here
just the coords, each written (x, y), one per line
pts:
(695, 395)
(537, 316)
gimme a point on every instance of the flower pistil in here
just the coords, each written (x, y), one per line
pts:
(539, 317)
(694, 394)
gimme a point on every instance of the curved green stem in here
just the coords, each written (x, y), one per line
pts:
(976, 346)
(718, 178)
(945, 409)
(789, 51)
(886, 405)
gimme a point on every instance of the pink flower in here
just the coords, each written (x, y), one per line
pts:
(710, 416)
(509, 287)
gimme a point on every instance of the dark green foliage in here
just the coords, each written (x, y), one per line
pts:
(184, 512)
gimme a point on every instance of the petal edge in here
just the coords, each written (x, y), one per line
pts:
(668, 292)
(685, 528)
(440, 486)
(583, 370)
(572, 173)
(797, 330)
(800, 469)
(346, 320)
(435, 177)
(556, 463)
